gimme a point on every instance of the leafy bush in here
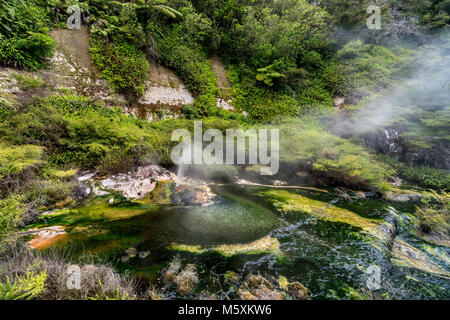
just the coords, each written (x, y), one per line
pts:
(366, 67)
(25, 287)
(434, 216)
(11, 209)
(24, 40)
(426, 176)
(15, 160)
(122, 65)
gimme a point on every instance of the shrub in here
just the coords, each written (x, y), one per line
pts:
(365, 67)
(434, 216)
(24, 40)
(11, 209)
(122, 65)
(427, 177)
(15, 159)
(25, 287)
(43, 275)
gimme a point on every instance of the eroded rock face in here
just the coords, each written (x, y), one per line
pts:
(390, 141)
(72, 68)
(164, 97)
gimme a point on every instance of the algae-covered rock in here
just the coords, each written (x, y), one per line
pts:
(162, 194)
(297, 290)
(407, 256)
(246, 295)
(254, 281)
(231, 277)
(256, 287)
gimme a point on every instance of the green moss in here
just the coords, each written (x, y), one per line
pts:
(161, 195)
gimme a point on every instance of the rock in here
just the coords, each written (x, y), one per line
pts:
(408, 256)
(339, 102)
(396, 196)
(297, 290)
(144, 254)
(133, 185)
(86, 176)
(226, 105)
(231, 277)
(246, 295)
(162, 193)
(254, 281)
(132, 252)
(14, 90)
(186, 195)
(196, 196)
(360, 194)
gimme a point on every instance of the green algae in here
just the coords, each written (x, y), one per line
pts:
(286, 201)
(265, 245)
(161, 195)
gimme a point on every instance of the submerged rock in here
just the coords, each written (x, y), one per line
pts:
(130, 253)
(195, 196)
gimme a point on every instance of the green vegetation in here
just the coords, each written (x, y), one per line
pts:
(122, 65)
(26, 287)
(24, 40)
(288, 63)
(434, 215)
(307, 146)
